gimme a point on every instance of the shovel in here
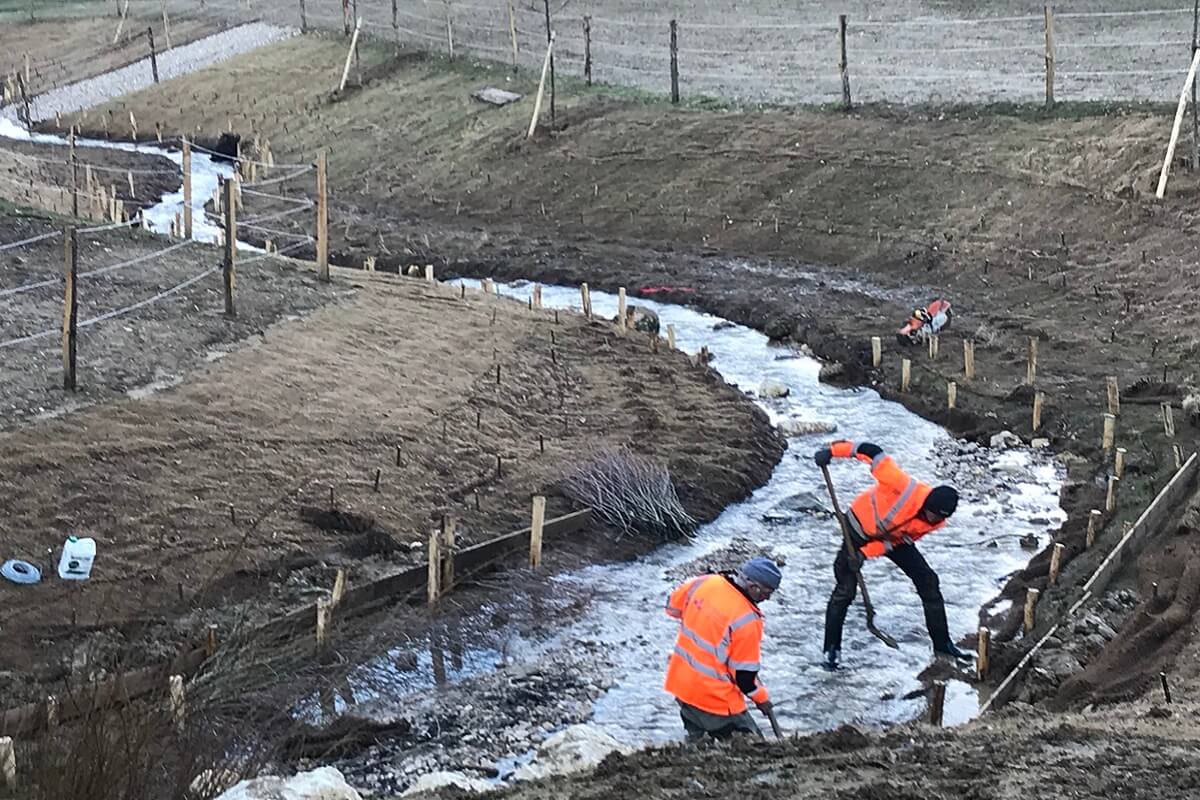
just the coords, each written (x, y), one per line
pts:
(862, 584)
(770, 712)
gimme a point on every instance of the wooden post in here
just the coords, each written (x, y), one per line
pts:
(671, 337)
(983, 653)
(52, 712)
(178, 704)
(550, 59)
(345, 17)
(933, 347)
(1168, 418)
(843, 64)
(322, 217)
(1183, 98)
(1095, 517)
(876, 351)
(153, 54)
(1056, 561)
(1162, 679)
(74, 175)
(587, 50)
(951, 394)
(187, 189)
(230, 244)
(621, 325)
(535, 531)
(968, 359)
(449, 534)
(1178, 451)
(512, 32)
(121, 23)
(674, 62)
(70, 307)
(339, 588)
(8, 762)
(1038, 399)
(586, 299)
(449, 30)
(350, 56)
(1114, 395)
(323, 617)
(435, 568)
(1031, 600)
(1119, 462)
(537, 103)
(1110, 499)
(1031, 365)
(537, 295)
(303, 18)
(166, 24)
(937, 696)
(210, 641)
(1049, 57)
(1108, 438)
(905, 373)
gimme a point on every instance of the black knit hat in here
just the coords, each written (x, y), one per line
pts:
(942, 500)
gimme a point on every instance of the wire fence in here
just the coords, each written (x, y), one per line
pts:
(752, 52)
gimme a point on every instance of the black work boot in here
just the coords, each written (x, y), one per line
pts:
(949, 648)
(831, 660)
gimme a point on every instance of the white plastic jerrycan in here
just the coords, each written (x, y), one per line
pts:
(77, 557)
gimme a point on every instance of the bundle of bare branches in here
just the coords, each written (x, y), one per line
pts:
(631, 493)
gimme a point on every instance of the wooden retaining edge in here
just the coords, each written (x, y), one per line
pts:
(126, 687)
(1148, 522)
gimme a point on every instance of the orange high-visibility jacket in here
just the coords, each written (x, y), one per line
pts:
(888, 510)
(720, 632)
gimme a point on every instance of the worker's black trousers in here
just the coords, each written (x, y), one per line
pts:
(914, 565)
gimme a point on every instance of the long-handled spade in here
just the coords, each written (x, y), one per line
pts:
(862, 584)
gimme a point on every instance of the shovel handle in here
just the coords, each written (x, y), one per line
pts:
(770, 712)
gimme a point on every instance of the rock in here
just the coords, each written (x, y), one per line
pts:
(722, 325)
(1029, 541)
(325, 783)
(495, 97)
(770, 388)
(830, 371)
(1060, 664)
(804, 502)
(1005, 440)
(640, 319)
(778, 328)
(579, 747)
(1159, 712)
(805, 427)
(441, 780)
(414, 271)
(1040, 444)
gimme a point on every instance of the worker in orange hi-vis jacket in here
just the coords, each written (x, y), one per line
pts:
(887, 520)
(717, 658)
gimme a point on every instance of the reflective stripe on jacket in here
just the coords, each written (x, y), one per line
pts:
(889, 509)
(720, 632)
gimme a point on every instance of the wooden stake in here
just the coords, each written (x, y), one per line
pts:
(1095, 519)
(1162, 679)
(449, 30)
(187, 189)
(1031, 600)
(1031, 365)
(933, 347)
(512, 31)
(968, 359)
(1183, 98)
(1110, 500)
(983, 653)
(1178, 451)
(339, 589)
(1056, 556)
(674, 63)
(586, 299)
(1038, 399)
(323, 618)
(70, 307)
(537, 103)
(166, 24)
(537, 295)
(8, 762)
(671, 337)
(429, 273)
(843, 63)
(153, 54)
(121, 23)
(876, 351)
(1114, 395)
(621, 324)
(322, 217)
(230, 244)
(178, 703)
(303, 18)
(951, 394)
(535, 531)
(1168, 418)
(210, 642)
(1119, 462)
(129, 177)
(905, 373)
(435, 569)
(350, 56)
(74, 175)
(937, 696)
(587, 50)
(449, 534)
(1109, 436)
(1049, 57)
(51, 712)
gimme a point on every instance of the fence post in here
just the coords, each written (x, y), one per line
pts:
(905, 373)
(512, 32)
(541, 92)
(1094, 521)
(671, 337)
(1038, 399)
(8, 762)
(435, 568)
(178, 704)
(1114, 395)
(983, 653)
(1119, 462)
(322, 217)
(843, 64)
(121, 23)
(535, 531)
(396, 24)
(937, 702)
(1049, 56)
(621, 308)
(166, 25)
(323, 617)
(1056, 556)
(345, 17)
(968, 359)
(876, 351)
(1109, 435)
(674, 62)
(70, 307)
(74, 176)
(1031, 600)
(587, 50)
(951, 395)
(187, 189)
(230, 244)
(550, 58)
(449, 30)
(1031, 364)
(303, 18)
(153, 55)
(449, 534)
(350, 56)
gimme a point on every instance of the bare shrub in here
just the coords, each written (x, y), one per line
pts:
(630, 493)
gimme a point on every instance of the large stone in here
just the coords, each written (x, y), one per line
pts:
(805, 427)
(577, 748)
(1005, 440)
(443, 780)
(640, 319)
(831, 371)
(325, 783)
(769, 388)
